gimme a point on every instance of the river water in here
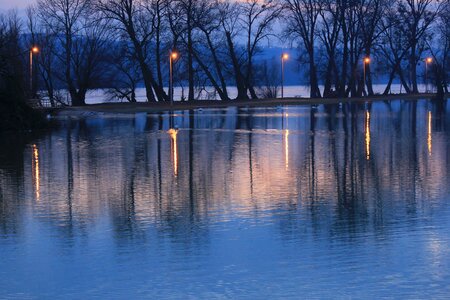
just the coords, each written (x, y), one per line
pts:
(336, 201)
(292, 91)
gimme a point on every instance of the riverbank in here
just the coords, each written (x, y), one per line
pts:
(126, 107)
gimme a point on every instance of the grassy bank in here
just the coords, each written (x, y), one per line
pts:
(126, 107)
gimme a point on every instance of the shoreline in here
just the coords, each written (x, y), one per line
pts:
(127, 107)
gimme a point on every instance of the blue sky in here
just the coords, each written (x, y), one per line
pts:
(21, 5)
(10, 4)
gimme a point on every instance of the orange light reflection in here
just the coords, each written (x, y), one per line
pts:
(36, 175)
(429, 139)
(174, 146)
(367, 135)
(286, 142)
(286, 147)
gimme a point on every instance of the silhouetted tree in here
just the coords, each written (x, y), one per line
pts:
(82, 43)
(303, 18)
(125, 75)
(135, 20)
(257, 18)
(208, 51)
(415, 18)
(14, 88)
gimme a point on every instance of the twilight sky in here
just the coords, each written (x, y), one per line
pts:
(20, 5)
(10, 4)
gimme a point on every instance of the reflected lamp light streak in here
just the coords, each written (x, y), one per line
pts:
(367, 127)
(286, 147)
(36, 173)
(429, 138)
(174, 147)
(286, 143)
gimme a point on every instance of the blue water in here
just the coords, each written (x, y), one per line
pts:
(336, 201)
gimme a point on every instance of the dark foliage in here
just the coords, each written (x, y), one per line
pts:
(15, 114)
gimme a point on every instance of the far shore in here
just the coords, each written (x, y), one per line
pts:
(127, 107)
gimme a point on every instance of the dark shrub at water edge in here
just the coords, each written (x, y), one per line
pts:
(15, 114)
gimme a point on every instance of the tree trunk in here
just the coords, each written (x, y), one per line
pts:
(413, 69)
(388, 86)
(343, 80)
(314, 84)
(78, 98)
(147, 75)
(158, 53)
(403, 81)
(439, 82)
(369, 81)
(327, 85)
(190, 50)
(222, 94)
(240, 81)
(147, 82)
(217, 66)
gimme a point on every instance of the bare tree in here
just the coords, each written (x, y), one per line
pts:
(208, 21)
(353, 48)
(269, 79)
(230, 26)
(91, 55)
(136, 21)
(188, 10)
(415, 18)
(83, 40)
(63, 17)
(11, 70)
(47, 62)
(441, 52)
(303, 17)
(257, 18)
(14, 111)
(125, 75)
(159, 9)
(370, 14)
(329, 35)
(393, 48)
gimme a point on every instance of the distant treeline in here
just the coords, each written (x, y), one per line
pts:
(120, 44)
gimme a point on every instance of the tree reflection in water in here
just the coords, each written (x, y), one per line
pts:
(345, 162)
(320, 173)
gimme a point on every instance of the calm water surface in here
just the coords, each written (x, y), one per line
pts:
(314, 202)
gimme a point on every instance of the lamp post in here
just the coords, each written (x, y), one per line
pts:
(366, 61)
(428, 60)
(33, 50)
(173, 56)
(284, 57)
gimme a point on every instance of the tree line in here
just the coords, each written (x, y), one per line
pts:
(122, 44)
(15, 114)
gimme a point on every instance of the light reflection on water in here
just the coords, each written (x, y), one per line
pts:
(324, 201)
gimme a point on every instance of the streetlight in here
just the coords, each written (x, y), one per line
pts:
(173, 56)
(284, 57)
(366, 61)
(33, 50)
(428, 60)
